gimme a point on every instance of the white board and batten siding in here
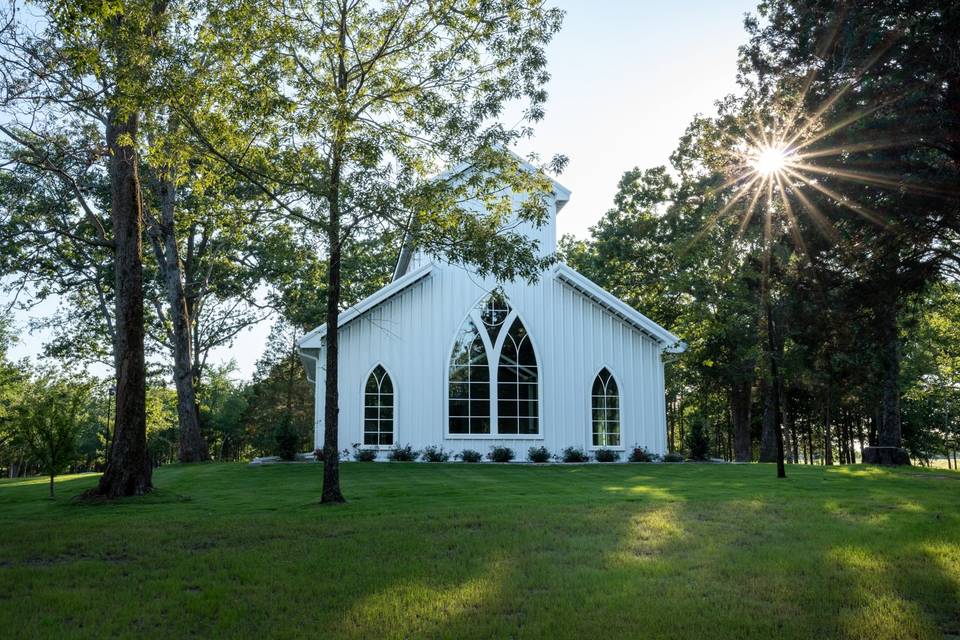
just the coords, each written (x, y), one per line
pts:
(576, 330)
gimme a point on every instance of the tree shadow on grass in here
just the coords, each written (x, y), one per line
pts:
(465, 552)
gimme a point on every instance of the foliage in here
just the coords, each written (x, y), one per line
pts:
(673, 456)
(642, 454)
(853, 238)
(697, 443)
(286, 440)
(403, 454)
(538, 454)
(574, 454)
(606, 455)
(435, 454)
(362, 455)
(499, 454)
(469, 455)
(49, 424)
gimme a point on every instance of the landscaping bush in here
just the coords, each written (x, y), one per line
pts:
(538, 454)
(640, 454)
(469, 455)
(696, 441)
(286, 440)
(606, 455)
(673, 456)
(500, 454)
(435, 454)
(364, 455)
(403, 454)
(575, 454)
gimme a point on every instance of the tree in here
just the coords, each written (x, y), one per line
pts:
(49, 424)
(381, 96)
(874, 90)
(92, 65)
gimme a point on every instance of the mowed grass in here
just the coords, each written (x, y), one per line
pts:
(485, 551)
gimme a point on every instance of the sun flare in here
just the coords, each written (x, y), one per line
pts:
(768, 161)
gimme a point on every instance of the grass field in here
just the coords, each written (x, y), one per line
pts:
(484, 551)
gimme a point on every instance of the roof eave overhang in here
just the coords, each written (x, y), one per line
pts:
(668, 341)
(314, 339)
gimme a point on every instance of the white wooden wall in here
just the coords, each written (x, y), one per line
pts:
(412, 334)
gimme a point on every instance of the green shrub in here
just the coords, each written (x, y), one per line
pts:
(364, 455)
(696, 441)
(435, 454)
(538, 454)
(606, 455)
(403, 454)
(641, 454)
(673, 456)
(500, 454)
(469, 455)
(286, 441)
(574, 454)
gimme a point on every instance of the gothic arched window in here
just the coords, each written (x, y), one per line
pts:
(378, 408)
(469, 384)
(606, 410)
(503, 387)
(517, 379)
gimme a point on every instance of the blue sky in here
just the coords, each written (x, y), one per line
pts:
(627, 78)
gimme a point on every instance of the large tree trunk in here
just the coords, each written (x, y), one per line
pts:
(740, 404)
(890, 432)
(128, 469)
(193, 448)
(889, 449)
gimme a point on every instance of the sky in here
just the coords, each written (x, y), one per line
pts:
(627, 79)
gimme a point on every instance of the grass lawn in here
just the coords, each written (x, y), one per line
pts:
(484, 551)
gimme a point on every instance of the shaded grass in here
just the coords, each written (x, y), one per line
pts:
(478, 551)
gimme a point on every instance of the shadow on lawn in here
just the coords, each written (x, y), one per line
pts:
(459, 551)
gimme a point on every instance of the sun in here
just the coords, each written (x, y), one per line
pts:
(770, 160)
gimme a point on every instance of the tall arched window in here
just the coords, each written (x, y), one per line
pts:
(469, 383)
(484, 385)
(517, 378)
(378, 408)
(606, 410)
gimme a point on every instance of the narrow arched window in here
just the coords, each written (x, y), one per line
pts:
(378, 408)
(517, 378)
(606, 410)
(469, 385)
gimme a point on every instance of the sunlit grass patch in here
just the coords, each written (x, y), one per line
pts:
(483, 551)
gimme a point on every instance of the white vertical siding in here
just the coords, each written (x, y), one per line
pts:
(412, 333)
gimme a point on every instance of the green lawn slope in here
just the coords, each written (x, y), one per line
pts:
(489, 551)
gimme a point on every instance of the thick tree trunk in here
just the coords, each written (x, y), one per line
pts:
(889, 449)
(890, 433)
(740, 405)
(128, 469)
(768, 437)
(193, 448)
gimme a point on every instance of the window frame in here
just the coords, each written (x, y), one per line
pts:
(493, 362)
(619, 396)
(363, 409)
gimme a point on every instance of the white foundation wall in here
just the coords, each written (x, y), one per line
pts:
(412, 335)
